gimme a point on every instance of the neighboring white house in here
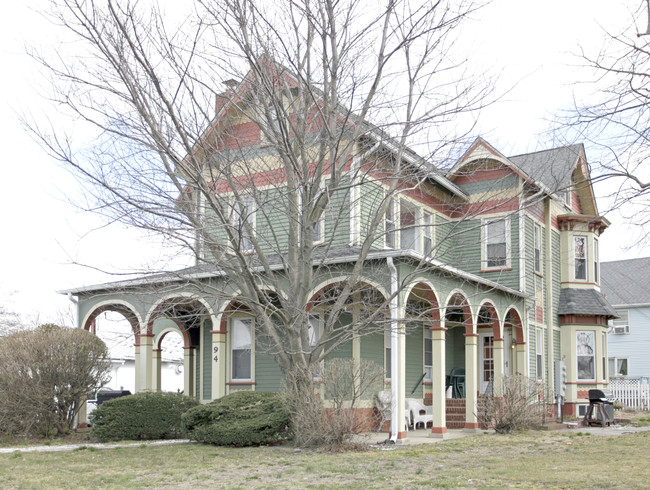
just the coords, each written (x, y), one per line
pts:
(626, 286)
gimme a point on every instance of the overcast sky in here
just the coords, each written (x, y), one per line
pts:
(531, 45)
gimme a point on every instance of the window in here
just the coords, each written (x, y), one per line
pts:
(603, 353)
(389, 224)
(620, 325)
(387, 352)
(244, 221)
(427, 233)
(314, 330)
(618, 366)
(496, 243)
(539, 352)
(409, 237)
(538, 248)
(585, 343)
(567, 197)
(580, 257)
(241, 344)
(596, 261)
(428, 355)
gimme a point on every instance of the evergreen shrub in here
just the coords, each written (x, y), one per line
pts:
(146, 415)
(244, 418)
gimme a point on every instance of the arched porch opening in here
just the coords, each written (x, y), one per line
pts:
(514, 342)
(459, 325)
(490, 347)
(190, 317)
(118, 326)
(169, 357)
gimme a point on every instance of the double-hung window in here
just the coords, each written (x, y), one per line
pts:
(538, 248)
(539, 353)
(389, 224)
(580, 257)
(596, 261)
(586, 354)
(241, 346)
(428, 355)
(427, 233)
(409, 237)
(244, 222)
(496, 243)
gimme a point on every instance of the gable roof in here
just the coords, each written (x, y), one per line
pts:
(552, 168)
(625, 282)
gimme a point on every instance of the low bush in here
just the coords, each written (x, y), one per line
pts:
(140, 416)
(244, 418)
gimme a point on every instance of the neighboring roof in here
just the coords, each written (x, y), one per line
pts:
(584, 302)
(626, 282)
(552, 168)
(339, 255)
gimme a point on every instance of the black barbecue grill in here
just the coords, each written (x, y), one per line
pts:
(601, 409)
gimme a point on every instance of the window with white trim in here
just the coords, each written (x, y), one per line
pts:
(618, 366)
(387, 352)
(427, 233)
(539, 352)
(538, 248)
(428, 355)
(314, 330)
(244, 222)
(620, 325)
(580, 258)
(586, 355)
(496, 243)
(389, 224)
(409, 236)
(596, 261)
(241, 349)
(603, 353)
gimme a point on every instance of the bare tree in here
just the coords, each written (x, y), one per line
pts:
(618, 121)
(255, 192)
(9, 321)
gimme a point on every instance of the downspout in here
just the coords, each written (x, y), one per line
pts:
(394, 378)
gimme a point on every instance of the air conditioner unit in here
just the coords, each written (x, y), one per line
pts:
(621, 329)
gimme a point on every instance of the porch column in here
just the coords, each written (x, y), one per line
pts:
(156, 374)
(498, 353)
(471, 380)
(82, 415)
(218, 355)
(439, 426)
(143, 362)
(188, 370)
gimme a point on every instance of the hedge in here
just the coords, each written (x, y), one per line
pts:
(244, 418)
(141, 416)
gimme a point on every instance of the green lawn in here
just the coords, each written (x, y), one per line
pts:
(566, 459)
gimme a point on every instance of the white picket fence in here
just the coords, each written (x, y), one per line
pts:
(631, 392)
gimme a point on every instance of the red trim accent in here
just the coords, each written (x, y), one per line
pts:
(401, 434)
(470, 334)
(438, 430)
(439, 328)
(472, 425)
(497, 269)
(219, 331)
(83, 425)
(248, 383)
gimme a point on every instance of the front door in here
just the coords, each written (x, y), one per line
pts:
(486, 360)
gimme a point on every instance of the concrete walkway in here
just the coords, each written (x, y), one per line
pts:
(94, 445)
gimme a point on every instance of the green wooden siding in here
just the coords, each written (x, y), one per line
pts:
(268, 376)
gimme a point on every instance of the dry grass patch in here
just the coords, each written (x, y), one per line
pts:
(537, 459)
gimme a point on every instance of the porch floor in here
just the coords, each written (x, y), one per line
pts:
(419, 436)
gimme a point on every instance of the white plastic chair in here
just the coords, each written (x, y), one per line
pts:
(417, 412)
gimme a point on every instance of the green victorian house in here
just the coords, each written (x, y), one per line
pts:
(501, 251)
